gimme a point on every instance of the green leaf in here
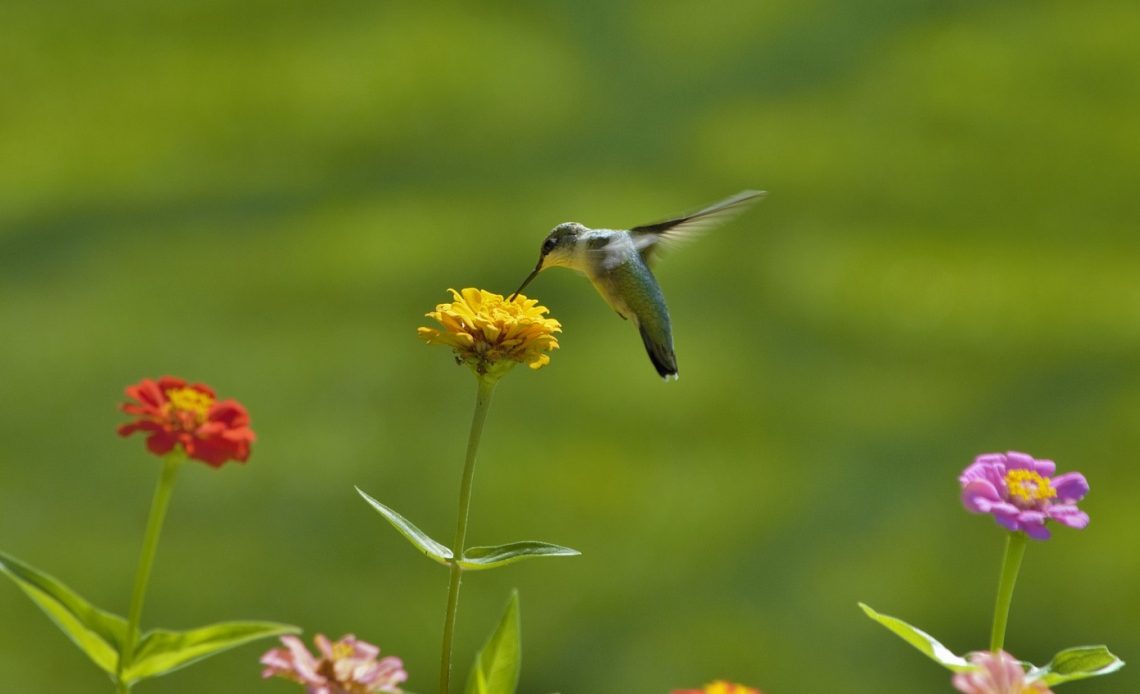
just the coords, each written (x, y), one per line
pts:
(496, 667)
(422, 541)
(161, 651)
(478, 558)
(1077, 664)
(920, 640)
(97, 633)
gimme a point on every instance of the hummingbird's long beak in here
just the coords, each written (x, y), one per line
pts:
(534, 273)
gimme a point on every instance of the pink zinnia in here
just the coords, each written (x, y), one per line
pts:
(1022, 493)
(996, 673)
(346, 666)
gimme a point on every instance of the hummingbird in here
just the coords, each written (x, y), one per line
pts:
(617, 262)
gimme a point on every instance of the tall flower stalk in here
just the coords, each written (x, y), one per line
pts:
(486, 387)
(1014, 551)
(173, 460)
(490, 335)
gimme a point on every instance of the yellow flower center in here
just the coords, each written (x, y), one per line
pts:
(194, 402)
(1026, 487)
(341, 650)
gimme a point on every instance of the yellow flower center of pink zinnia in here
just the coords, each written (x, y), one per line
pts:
(341, 650)
(191, 401)
(1027, 487)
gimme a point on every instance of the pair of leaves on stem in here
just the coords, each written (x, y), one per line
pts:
(474, 558)
(101, 634)
(496, 666)
(1070, 664)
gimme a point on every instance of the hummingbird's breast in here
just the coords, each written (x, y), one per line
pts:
(629, 287)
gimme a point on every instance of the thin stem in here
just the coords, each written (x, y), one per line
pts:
(482, 404)
(146, 560)
(1014, 551)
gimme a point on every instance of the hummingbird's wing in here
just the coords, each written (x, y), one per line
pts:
(647, 237)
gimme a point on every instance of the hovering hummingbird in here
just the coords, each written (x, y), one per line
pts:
(618, 264)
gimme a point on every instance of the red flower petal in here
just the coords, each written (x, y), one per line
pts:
(170, 382)
(148, 393)
(160, 443)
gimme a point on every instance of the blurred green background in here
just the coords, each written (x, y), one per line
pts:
(267, 196)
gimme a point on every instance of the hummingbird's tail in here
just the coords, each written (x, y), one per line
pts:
(662, 356)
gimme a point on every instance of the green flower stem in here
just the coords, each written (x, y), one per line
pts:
(482, 404)
(1014, 551)
(146, 560)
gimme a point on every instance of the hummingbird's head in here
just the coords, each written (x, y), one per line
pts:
(560, 245)
(559, 248)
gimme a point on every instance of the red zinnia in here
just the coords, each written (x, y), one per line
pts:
(176, 413)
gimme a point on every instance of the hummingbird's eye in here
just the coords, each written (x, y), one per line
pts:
(548, 246)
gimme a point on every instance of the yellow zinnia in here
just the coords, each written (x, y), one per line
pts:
(491, 334)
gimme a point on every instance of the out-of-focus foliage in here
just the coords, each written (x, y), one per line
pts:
(268, 196)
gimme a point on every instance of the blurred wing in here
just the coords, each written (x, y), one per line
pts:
(671, 231)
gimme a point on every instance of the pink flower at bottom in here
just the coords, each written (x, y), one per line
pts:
(346, 666)
(998, 673)
(720, 687)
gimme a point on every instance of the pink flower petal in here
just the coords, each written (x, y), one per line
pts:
(1005, 513)
(363, 649)
(1033, 524)
(1015, 460)
(982, 469)
(1045, 468)
(1070, 515)
(995, 674)
(1071, 486)
(304, 665)
(324, 646)
(979, 495)
(1008, 521)
(990, 459)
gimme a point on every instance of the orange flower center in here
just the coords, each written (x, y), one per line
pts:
(1027, 488)
(723, 687)
(189, 405)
